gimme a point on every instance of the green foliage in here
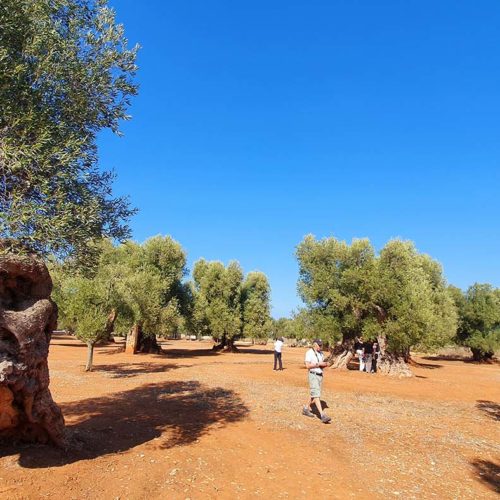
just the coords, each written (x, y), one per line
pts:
(65, 74)
(349, 291)
(83, 306)
(479, 318)
(283, 327)
(417, 308)
(217, 304)
(149, 283)
(141, 282)
(307, 324)
(255, 298)
(336, 282)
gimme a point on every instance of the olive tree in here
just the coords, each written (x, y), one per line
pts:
(66, 73)
(398, 297)
(217, 301)
(256, 306)
(82, 309)
(479, 319)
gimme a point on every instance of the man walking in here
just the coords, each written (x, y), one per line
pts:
(315, 363)
(278, 347)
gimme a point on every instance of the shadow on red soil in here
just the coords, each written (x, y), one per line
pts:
(175, 413)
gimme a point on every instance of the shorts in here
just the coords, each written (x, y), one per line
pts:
(315, 382)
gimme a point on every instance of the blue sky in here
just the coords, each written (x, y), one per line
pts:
(259, 122)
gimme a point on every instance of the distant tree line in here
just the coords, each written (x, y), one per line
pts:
(141, 287)
(398, 297)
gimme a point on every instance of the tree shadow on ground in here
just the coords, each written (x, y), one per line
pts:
(171, 413)
(488, 473)
(127, 370)
(119, 349)
(244, 350)
(446, 357)
(428, 366)
(74, 344)
(190, 353)
(491, 408)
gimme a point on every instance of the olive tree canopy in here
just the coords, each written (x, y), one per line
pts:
(398, 297)
(65, 74)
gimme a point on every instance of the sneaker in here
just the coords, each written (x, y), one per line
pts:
(307, 412)
(326, 419)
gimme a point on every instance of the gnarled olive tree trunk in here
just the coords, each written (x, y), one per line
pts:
(341, 354)
(387, 363)
(390, 363)
(225, 344)
(138, 341)
(27, 318)
(481, 356)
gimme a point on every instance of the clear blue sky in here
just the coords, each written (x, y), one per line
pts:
(260, 122)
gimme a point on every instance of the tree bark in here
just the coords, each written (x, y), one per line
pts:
(341, 354)
(230, 347)
(392, 364)
(147, 344)
(90, 357)
(132, 339)
(109, 328)
(226, 344)
(27, 318)
(387, 363)
(480, 356)
(110, 325)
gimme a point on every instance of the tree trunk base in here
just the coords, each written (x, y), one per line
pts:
(387, 364)
(225, 346)
(148, 344)
(394, 366)
(340, 361)
(27, 319)
(482, 357)
(107, 340)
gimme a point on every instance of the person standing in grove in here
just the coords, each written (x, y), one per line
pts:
(376, 354)
(315, 363)
(278, 348)
(368, 356)
(359, 348)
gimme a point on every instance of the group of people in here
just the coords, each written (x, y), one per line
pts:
(367, 352)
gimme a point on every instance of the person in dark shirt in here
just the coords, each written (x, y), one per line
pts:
(375, 356)
(368, 356)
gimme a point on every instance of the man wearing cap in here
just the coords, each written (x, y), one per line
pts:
(315, 363)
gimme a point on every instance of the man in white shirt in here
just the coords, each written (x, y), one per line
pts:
(315, 363)
(278, 347)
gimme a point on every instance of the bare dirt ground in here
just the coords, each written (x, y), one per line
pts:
(194, 424)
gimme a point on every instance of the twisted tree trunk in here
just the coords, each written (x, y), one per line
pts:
(110, 325)
(27, 318)
(392, 364)
(387, 363)
(341, 355)
(226, 344)
(481, 356)
(148, 344)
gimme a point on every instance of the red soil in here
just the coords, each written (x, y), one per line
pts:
(196, 424)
